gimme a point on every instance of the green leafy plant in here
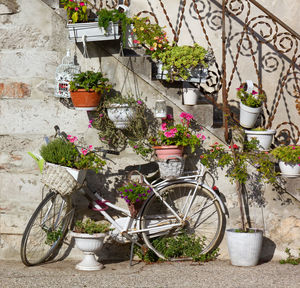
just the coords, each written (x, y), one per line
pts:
(259, 129)
(76, 11)
(90, 80)
(290, 258)
(178, 134)
(288, 154)
(252, 99)
(89, 226)
(180, 60)
(182, 245)
(65, 153)
(134, 192)
(236, 160)
(151, 36)
(52, 236)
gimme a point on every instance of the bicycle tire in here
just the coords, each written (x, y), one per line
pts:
(36, 246)
(205, 219)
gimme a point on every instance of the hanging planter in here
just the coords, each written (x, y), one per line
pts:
(244, 247)
(120, 114)
(91, 31)
(248, 115)
(264, 137)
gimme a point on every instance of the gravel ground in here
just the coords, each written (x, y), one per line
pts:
(180, 274)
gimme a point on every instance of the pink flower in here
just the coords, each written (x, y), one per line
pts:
(136, 42)
(139, 102)
(169, 134)
(90, 147)
(76, 8)
(199, 135)
(174, 130)
(254, 92)
(91, 121)
(188, 135)
(169, 117)
(101, 115)
(90, 126)
(151, 49)
(69, 137)
(294, 148)
(163, 126)
(84, 151)
(203, 137)
(71, 0)
(81, 3)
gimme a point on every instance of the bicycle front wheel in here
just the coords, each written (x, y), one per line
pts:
(46, 229)
(202, 222)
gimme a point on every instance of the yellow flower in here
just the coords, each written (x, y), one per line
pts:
(142, 28)
(154, 44)
(134, 30)
(159, 45)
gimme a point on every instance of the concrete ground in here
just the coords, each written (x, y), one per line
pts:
(184, 274)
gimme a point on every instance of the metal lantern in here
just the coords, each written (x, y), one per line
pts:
(64, 74)
(160, 109)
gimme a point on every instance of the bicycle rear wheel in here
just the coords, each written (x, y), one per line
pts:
(204, 224)
(46, 229)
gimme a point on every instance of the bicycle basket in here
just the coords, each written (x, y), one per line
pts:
(171, 168)
(58, 178)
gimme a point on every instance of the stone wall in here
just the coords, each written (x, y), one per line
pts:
(33, 40)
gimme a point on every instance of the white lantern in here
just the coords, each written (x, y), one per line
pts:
(160, 109)
(64, 74)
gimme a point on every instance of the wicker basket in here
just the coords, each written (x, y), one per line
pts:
(171, 168)
(58, 178)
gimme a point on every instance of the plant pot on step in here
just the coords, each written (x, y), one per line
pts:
(120, 114)
(248, 115)
(289, 170)
(265, 138)
(85, 100)
(164, 152)
(244, 247)
(190, 94)
(89, 244)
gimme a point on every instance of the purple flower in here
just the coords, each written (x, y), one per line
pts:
(126, 190)
(137, 200)
(144, 195)
(121, 192)
(134, 185)
(139, 102)
(128, 201)
(130, 190)
(140, 195)
(122, 196)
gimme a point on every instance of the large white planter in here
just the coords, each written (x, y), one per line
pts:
(265, 138)
(198, 74)
(248, 115)
(120, 114)
(89, 245)
(244, 248)
(92, 32)
(289, 170)
(190, 94)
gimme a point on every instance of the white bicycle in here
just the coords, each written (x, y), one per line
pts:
(181, 205)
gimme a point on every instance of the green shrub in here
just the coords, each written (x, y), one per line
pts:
(90, 227)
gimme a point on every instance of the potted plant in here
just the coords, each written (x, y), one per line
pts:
(121, 109)
(172, 138)
(82, 28)
(244, 243)
(134, 193)
(262, 135)
(63, 166)
(86, 89)
(289, 159)
(89, 237)
(183, 63)
(250, 104)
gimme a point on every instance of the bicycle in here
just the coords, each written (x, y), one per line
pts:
(175, 206)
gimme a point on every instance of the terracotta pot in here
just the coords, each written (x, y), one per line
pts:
(134, 208)
(85, 100)
(164, 152)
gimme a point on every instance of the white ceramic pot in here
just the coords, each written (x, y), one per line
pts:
(190, 94)
(289, 170)
(120, 114)
(244, 248)
(265, 138)
(89, 245)
(248, 115)
(92, 32)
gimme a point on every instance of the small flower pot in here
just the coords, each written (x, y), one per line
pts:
(289, 170)
(89, 245)
(164, 152)
(120, 114)
(134, 208)
(244, 248)
(85, 100)
(248, 115)
(265, 138)
(190, 94)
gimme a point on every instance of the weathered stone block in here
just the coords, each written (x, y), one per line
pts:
(14, 90)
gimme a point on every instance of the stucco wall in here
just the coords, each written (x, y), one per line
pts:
(33, 40)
